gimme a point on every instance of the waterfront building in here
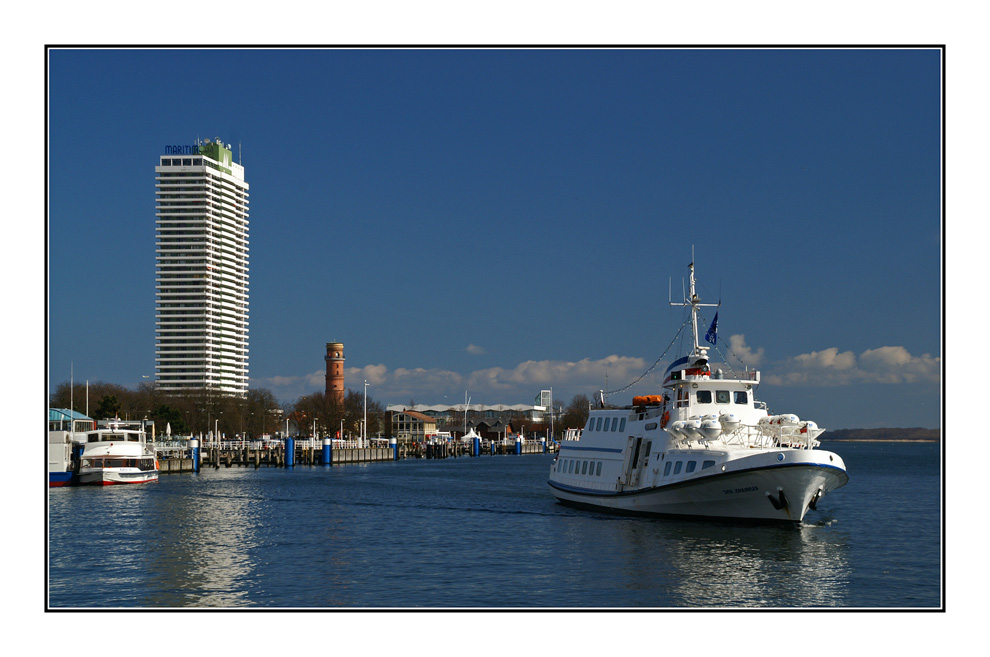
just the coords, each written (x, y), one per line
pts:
(201, 285)
(453, 415)
(412, 427)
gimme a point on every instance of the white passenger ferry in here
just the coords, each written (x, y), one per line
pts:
(704, 447)
(116, 455)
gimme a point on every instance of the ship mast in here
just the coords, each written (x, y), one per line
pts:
(700, 353)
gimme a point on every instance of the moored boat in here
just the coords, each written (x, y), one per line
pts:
(704, 447)
(116, 455)
(65, 431)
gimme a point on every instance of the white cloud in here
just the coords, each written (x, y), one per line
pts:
(742, 351)
(519, 384)
(373, 374)
(290, 388)
(830, 367)
(495, 384)
(896, 365)
(475, 349)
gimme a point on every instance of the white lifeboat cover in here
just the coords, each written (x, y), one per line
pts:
(711, 429)
(692, 428)
(729, 421)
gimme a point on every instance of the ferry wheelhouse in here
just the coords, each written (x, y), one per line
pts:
(703, 447)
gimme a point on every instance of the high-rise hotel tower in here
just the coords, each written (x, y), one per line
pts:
(201, 285)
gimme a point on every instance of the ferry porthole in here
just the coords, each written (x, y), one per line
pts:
(780, 457)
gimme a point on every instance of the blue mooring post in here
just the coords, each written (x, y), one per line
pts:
(394, 444)
(544, 441)
(518, 444)
(327, 451)
(194, 448)
(492, 443)
(290, 452)
(476, 448)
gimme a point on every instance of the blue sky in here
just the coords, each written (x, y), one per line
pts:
(499, 221)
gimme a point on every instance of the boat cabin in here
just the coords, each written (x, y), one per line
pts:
(113, 437)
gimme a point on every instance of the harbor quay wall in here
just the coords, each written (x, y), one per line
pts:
(166, 466)
(277, 457)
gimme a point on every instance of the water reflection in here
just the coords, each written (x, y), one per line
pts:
(471, 533)
(699, 564)
(203, 553)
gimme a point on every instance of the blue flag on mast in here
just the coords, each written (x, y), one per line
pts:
(712, 335)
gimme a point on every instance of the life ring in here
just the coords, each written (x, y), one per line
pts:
(666, 418)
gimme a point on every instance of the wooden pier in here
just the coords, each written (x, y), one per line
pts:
(213, 457)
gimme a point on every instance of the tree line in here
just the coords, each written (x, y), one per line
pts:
(190, 412)
(258, 412)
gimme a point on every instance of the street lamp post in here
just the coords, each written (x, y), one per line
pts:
(364, 428)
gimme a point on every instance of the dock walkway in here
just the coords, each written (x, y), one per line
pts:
(173, 459)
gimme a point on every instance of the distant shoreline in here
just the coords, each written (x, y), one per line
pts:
(884, 435)
(880, 440)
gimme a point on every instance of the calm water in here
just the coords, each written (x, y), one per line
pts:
(485, 532)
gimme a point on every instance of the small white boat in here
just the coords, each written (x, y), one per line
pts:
(115, 455)
(704, 447)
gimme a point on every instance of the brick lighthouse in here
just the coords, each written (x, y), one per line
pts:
(335, 370)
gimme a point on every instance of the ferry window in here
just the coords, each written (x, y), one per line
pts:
(704, 396)
(622, 424)
(721, 396)
(598, 425)
(707, 464)
(677, 467)
(598, 470)
(646, 456)
(591, 424)
(666, 468)
(584, 467)
(615, 423)
(187, 162)
(742, 397)
(690, 466)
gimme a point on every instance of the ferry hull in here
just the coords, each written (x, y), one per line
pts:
(773, 494)
(59, 479)
(109, 477)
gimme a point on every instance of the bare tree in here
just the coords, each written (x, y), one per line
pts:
(576, 413)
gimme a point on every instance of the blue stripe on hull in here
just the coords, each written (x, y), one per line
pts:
(60, 479)
(590, 449)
